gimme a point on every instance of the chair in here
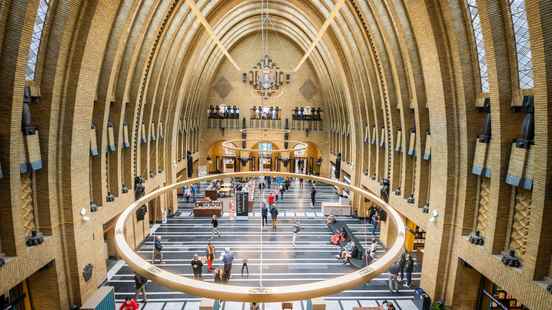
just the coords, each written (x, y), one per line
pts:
(287, 306)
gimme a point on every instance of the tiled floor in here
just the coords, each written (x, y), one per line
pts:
(273, 261)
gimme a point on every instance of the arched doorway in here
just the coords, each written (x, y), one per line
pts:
(265, 156)
(306, 160)
(300, 159)
(221, 159)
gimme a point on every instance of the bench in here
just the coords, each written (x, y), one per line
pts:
(359, 261)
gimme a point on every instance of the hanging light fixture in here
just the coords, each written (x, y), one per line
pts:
(266, 77)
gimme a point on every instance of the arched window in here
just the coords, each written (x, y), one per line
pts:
(265, 149)
(299, 150)
(38, 28)
(523, 43)
(473, 11)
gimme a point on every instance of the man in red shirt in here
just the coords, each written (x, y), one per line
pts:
(270, 199)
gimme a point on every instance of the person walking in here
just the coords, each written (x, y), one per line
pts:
(270, 199)
(264, 213)
(245, 268)
(393, 278)
(227, 259)
(157, 250)
(375, 219)
(296, 230)
(210, 256)
(140, 284)
(408, 269)
(197, 267)
(214, 227)
(402, 264)
(371, 214)
(281, 192)
(301, 183)
(313, 195)
(129, 304)
(274, 216)
(194, 192)
(189, 194)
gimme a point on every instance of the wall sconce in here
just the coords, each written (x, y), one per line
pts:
(510, 259)
(83, 215)
(93, 206)
(35, 238)
(425, 208)
(434, 215)
(476, 238)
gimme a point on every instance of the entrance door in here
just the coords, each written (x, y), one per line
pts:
(300, 165)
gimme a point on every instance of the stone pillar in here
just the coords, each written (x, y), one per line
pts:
(43, 288)
(466, 287)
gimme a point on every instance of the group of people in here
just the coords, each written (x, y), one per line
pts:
(273, 210)
(349, 250)
(401, 271)
(220, 274)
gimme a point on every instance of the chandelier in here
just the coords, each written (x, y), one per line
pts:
(265, 77)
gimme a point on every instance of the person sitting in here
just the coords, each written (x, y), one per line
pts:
(129, 304)
(337, 238)
(344, 256)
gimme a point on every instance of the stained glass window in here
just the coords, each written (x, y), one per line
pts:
(475, 19)
(523, 43)
(38, 28)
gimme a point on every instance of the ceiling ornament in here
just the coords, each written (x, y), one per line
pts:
(308, 90)
(223, 87)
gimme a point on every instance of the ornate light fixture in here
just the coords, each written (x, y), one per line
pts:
(266, 77)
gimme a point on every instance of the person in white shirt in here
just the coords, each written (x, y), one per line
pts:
(373, 248)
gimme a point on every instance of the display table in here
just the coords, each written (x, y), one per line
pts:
(336, 209)
(211, 194)
(207, 209)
